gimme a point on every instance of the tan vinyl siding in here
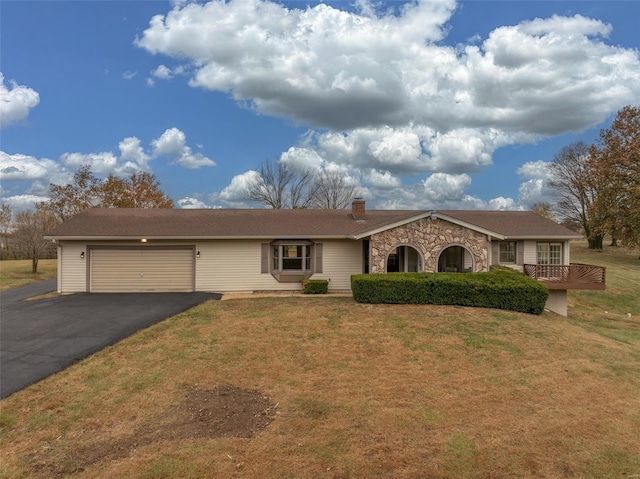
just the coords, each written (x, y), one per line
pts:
(341, 259)
(73, 268)
(567, 253)
(530, 252)
(236, 266)
(141, 269)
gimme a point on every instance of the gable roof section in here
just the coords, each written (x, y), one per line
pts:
(511, 224)
(131, 223)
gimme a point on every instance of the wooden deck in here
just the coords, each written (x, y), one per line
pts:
(573, 276)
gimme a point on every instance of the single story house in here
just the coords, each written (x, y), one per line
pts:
(224, 250)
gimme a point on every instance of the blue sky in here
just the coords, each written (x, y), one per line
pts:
(420, 104)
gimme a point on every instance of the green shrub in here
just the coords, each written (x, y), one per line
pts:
(315, 286)
(501, 288)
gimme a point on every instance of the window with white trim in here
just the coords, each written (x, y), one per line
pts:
(292, 257)
(549, 253)
(292, 260)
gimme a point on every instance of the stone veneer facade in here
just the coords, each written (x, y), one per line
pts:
(429, 237)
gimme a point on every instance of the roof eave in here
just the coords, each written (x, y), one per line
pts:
(543, 237)
(190, 238)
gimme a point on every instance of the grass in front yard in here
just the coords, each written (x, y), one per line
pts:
(15, 273)
(360, 391)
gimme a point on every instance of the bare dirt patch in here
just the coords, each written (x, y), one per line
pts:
(225, 411)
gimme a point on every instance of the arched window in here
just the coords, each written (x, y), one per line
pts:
(404, 259)
(455, 259)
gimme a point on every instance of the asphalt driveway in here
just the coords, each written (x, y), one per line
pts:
(41, 337)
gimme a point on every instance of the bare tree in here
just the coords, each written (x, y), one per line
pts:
(279, 186)
(333, 191)
(575, 181)
(6, 224)
(30, 228)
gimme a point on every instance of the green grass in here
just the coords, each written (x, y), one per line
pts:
(402, 391)
(15, 273)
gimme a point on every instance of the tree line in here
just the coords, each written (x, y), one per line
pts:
(598, 186)
(22, 235)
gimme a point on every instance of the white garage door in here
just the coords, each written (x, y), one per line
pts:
(141, 269)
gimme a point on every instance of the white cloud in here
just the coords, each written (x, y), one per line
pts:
(383, 180)
(302, 159)
(131, 150)
(535, 169)
(191, 203)
(163, 72)
(129, 75)
(536, 186)
(347, 70)
(442, 187)
(236, 191)
(26, 202)
(38, 188)
(192, 160)
(102, 163)
(173, 143)
(15, 102)
(20, 167)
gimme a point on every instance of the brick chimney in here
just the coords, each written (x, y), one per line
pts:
(357, 209)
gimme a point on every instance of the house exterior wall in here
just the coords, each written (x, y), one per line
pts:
(530, 252)
(429, 237)
(341, 260)
(235, 266)
(223, 265)
(72, 269)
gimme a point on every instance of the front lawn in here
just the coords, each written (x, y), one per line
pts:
(15, 273)
(312, 387)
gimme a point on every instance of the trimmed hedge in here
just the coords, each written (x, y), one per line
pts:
(315, 286)
(501, 288)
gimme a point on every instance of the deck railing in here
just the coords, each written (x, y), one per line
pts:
(573, 276)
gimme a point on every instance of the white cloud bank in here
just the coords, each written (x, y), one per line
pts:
(393, 99)
(15, 102)
(343, 70)
(130, 158)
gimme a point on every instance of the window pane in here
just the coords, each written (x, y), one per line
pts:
(292, 263)
(508, 252)
(555, 254)
(543, 253)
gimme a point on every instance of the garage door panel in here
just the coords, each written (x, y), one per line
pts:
(142, 270)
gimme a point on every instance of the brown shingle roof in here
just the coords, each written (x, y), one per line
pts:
(233, 223)
(263, 223)
(512, 224)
